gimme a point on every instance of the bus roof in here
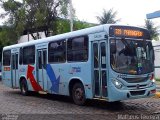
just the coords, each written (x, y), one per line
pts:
(81, 32)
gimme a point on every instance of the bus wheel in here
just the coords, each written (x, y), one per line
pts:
(24, 87)
(78, 94)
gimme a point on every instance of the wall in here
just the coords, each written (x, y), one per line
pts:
(156, 45)
(24, 38)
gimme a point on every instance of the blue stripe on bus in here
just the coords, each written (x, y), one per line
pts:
(53, 79)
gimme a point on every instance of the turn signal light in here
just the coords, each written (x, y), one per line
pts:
(153, 91)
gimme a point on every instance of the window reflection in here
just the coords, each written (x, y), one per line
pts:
(131, 56)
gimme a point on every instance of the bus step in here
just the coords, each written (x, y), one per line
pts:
(103, 99)
(42, 92)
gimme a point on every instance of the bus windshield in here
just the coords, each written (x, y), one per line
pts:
(130, 56)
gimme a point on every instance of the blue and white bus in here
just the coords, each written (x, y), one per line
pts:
(106, 62)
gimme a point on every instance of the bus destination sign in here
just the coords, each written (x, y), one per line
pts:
(128, 32)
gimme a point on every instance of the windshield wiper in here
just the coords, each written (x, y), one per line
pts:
(125, 43)
(128, 50)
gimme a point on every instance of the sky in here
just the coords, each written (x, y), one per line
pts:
(131, 12)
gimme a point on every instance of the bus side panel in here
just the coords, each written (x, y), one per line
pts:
(32, 80)
(55, 79)
(22, 74)
(6, 76)
(29, 73)
(63, 73)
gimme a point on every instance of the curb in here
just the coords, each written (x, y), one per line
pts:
(157, 95)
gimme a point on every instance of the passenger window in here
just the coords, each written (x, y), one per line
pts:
(6, 58)
(96, 58)
(77, 49)
(103, 55)
(29, 55)
(57, 51)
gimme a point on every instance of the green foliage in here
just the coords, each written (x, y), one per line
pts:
(153, 30)
(32, 14)
(37, 15)
(108, 17)
(7, 37)
(63, 25)
(157, 79)
(81, 25)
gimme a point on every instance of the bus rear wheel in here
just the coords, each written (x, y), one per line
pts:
(24, 87)
(78, 94)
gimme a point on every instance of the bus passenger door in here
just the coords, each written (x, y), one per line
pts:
(41, 66)
(14, 70)
(99, 69)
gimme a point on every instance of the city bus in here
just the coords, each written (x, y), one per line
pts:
(106, 62)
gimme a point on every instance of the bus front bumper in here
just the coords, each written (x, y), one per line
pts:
(118, 94)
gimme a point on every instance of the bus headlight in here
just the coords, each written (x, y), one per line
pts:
(117, 83)
(154, 80)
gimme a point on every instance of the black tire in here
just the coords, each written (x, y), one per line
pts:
(78, 94)
(24, 87)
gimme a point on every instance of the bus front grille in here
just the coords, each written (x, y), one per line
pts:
(135, 86)
(136, 80)
(134, 93)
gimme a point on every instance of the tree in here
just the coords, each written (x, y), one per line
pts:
(82, 24)
(108, 17)
(153, 30)
(34, 14)
(63, 25)
(7, 37)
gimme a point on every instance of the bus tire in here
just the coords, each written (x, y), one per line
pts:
(24, 87)
(78, 94)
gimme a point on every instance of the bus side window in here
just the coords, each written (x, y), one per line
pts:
(96, 59)
(6, 58)
(77, 49)
(29, 55)
(57, 51)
